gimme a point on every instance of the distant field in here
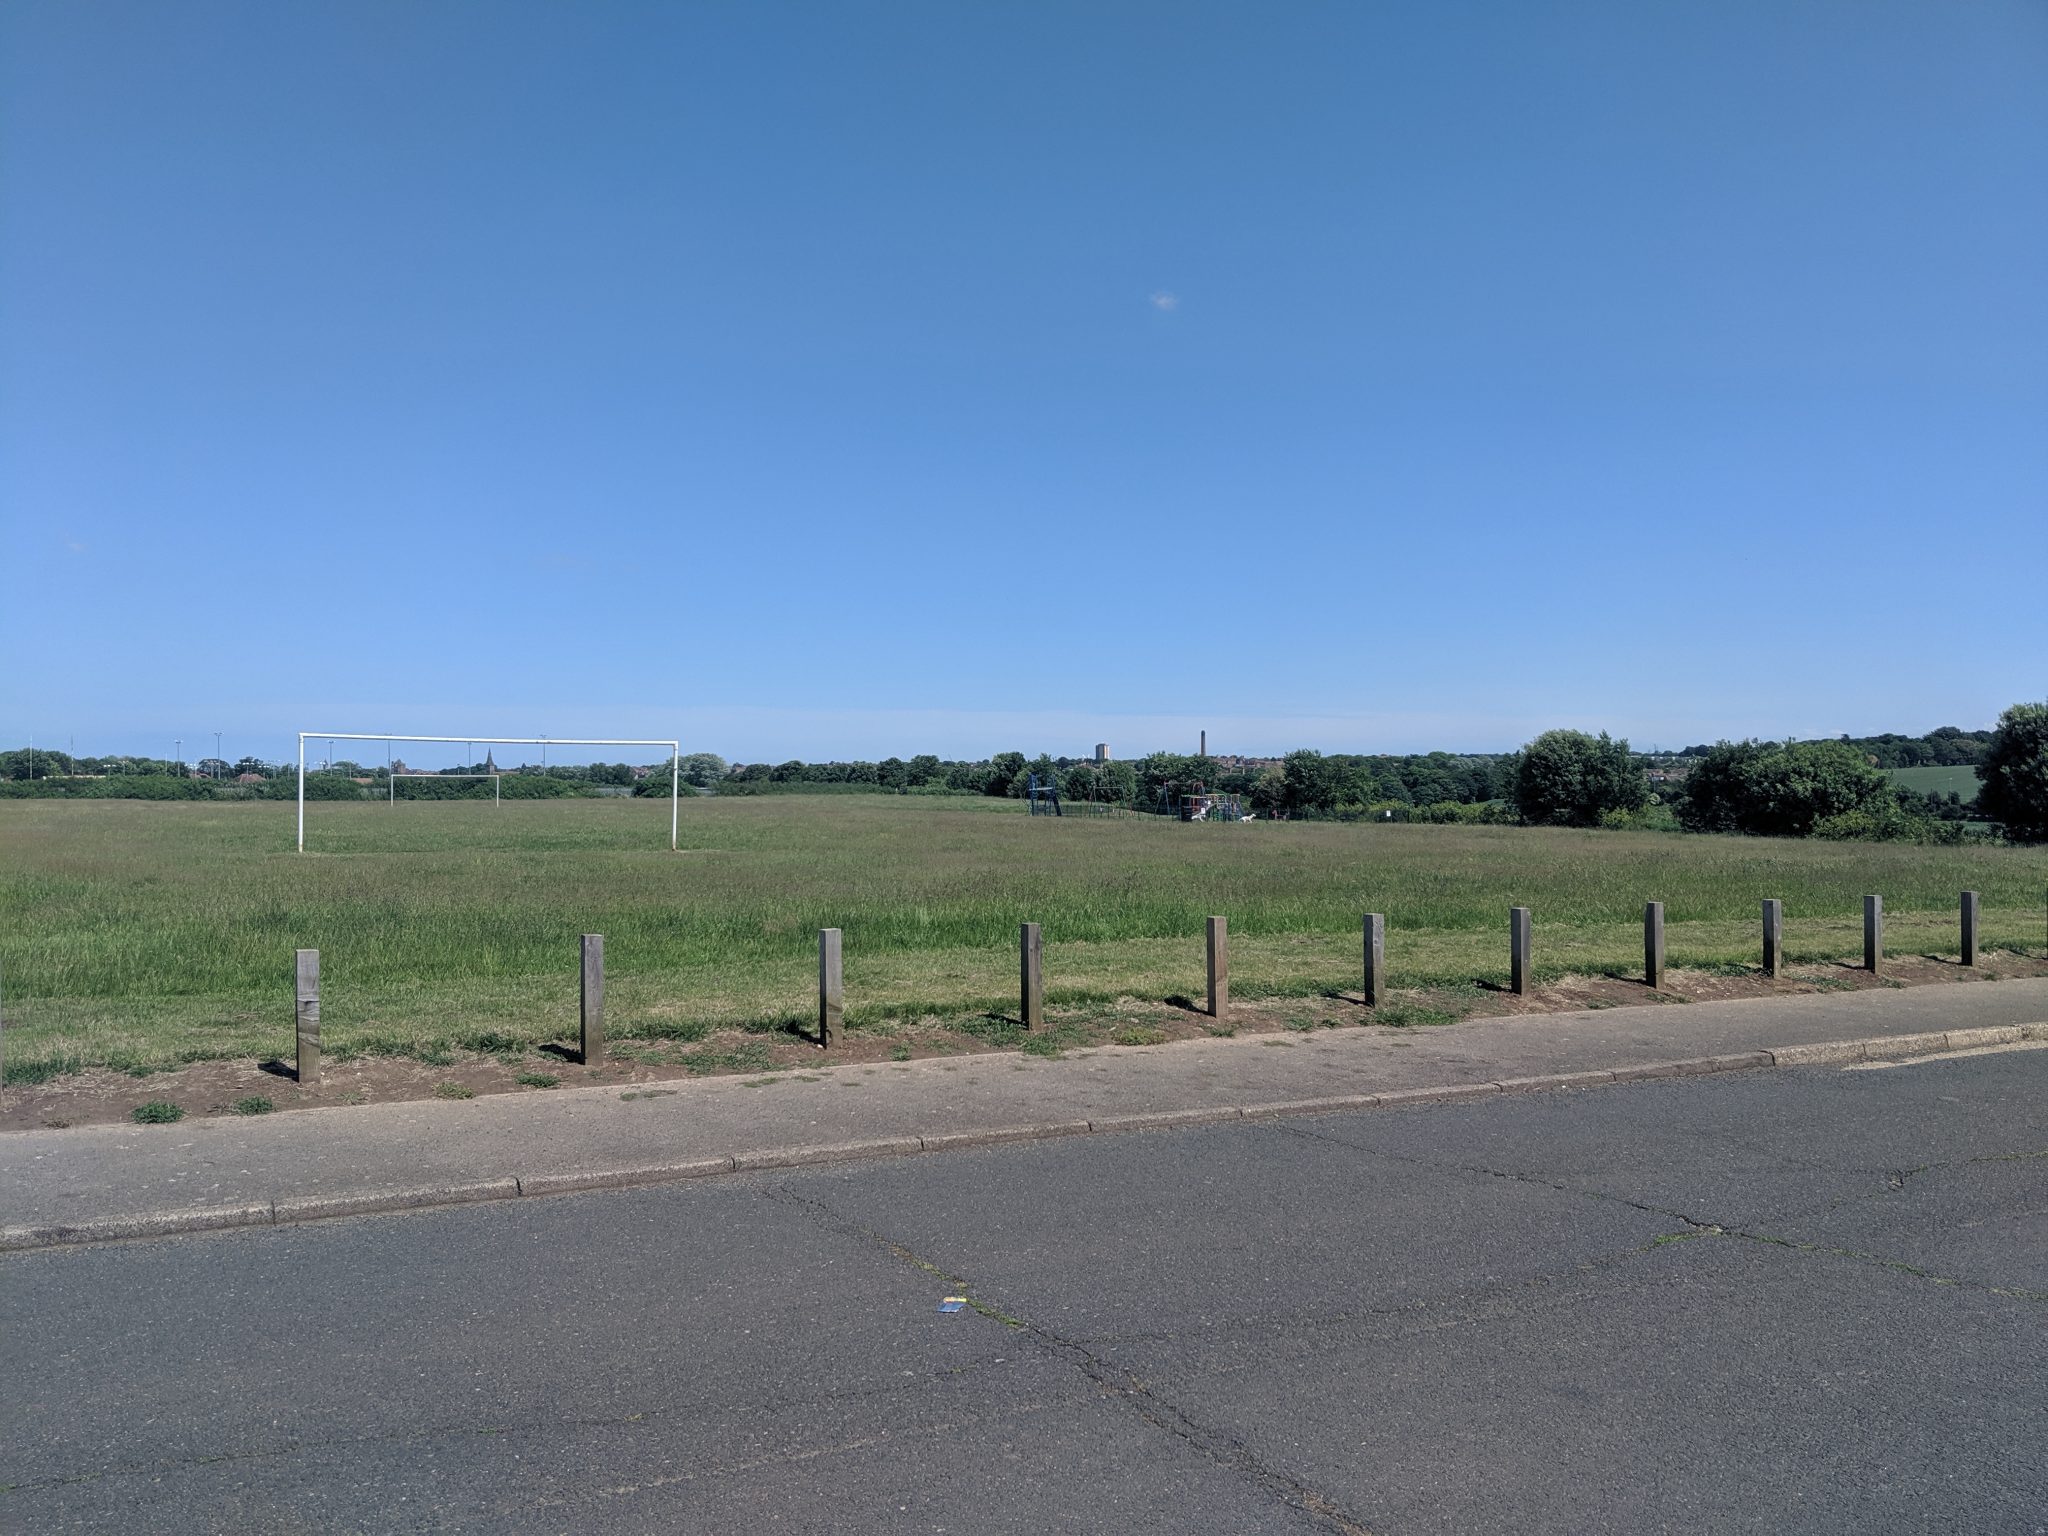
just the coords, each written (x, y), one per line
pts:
(136, 934)
(1942, 781)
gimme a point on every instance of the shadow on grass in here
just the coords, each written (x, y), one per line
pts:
(990, 1026)
(797, 1029)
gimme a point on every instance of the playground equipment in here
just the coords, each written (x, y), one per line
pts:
(1045, 797)
(1046, 800)
(1201, 805)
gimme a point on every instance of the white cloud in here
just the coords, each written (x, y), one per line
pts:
(1168, 302)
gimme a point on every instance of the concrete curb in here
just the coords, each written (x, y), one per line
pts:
(324, 1208)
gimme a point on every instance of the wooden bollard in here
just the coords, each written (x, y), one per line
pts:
(306, 1017)
(1518, 951)
(1031, 975)
(1969, 927)
(1873, 935)
(1653, 945)
(831, 987)
(1774, 936)
(1375, 958)
(591, 1041)
(1219, 967)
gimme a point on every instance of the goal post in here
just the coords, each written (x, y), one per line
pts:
(675, 762)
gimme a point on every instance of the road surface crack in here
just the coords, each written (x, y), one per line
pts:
(1701, 1227)
(1114, 1382)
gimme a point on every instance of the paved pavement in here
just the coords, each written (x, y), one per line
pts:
(1808, 1299)
(509, 1143)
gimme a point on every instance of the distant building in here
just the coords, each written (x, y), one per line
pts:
(1102, 751)
(250, 778)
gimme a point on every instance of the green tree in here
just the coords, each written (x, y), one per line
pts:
(1003, 769)
(1780, 789)
(2014, 773)
(1269, 792)
(1571, 779)
(702, 768)
(1309, 782)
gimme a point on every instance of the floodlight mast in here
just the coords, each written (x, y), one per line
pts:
(675, 755)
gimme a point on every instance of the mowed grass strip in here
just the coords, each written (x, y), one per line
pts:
(142, 935)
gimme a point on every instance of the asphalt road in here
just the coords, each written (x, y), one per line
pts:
(1806, 1300)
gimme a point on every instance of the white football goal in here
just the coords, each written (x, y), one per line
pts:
(675, 762)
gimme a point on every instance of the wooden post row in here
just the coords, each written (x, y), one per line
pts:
(1375, 958)
(592, 1040)
(1219, 967)
(1518, 951)
(306, 1017)
(831, 987)
(832, 991)
(1031, 976)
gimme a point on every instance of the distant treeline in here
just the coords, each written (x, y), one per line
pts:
(319, 786)
(1304, 783)
(38, 763)
(1946, 746)
(1835, 788)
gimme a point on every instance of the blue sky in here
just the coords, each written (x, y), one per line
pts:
(837, 380)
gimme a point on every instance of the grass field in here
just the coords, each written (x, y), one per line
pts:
(1942, 781)
(136, 935)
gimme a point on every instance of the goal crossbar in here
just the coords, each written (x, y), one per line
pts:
(675, 760)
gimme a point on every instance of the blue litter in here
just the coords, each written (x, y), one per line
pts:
(953, 1304)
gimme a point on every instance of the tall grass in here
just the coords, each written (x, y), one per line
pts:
(146, 933)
